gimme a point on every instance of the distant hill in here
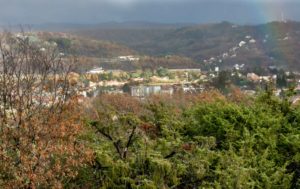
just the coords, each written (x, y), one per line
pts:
(84, 46)
(94, 53)
(221, 44)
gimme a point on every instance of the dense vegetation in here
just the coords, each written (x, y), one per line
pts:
(203, 141)
(85, 47)
(95, 53)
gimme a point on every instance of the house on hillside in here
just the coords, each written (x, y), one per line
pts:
(253, 77)
(128, 58)
(242, 43)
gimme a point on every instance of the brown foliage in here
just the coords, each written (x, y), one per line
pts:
(150, 130)
(43, 150)
(238, 96)
(187, 147)
(39, 123)
(119, 103)
(180, 101)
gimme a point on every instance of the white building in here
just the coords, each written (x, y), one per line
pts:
(96, 71)
(142, 91)
(128, 58)
(217, 69)
(242, 43)
(252, 41)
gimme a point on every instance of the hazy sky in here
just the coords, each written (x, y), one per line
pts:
(174, 11)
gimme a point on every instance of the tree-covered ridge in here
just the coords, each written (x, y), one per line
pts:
(86, 47)
(100, 53)
(204, 141)
(274, 43)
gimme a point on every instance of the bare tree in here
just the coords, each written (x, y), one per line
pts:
(38, 118)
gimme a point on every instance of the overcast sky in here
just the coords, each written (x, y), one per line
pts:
(164, 11)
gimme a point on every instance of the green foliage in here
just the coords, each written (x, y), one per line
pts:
(212, 144)
(147, 74)
(162, 72)
(222, 81)
(135, 75)
(106, 76)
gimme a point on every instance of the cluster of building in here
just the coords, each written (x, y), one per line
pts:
(91, 84)
(148, 90)
(249, 41)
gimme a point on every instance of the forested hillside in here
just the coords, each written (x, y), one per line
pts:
(95, 53)
(86, 47)
(207, 46)
(274, 43)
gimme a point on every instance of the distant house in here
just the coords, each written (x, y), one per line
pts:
(217, 69)
(252, 41)
(253, 77)
(96, 71)
(142, 91)
(225, 55)
(238, 67)
(192, 89)
(138, 79)
(286, 38)
(267, 78)
(128, 58)
(242, 43)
